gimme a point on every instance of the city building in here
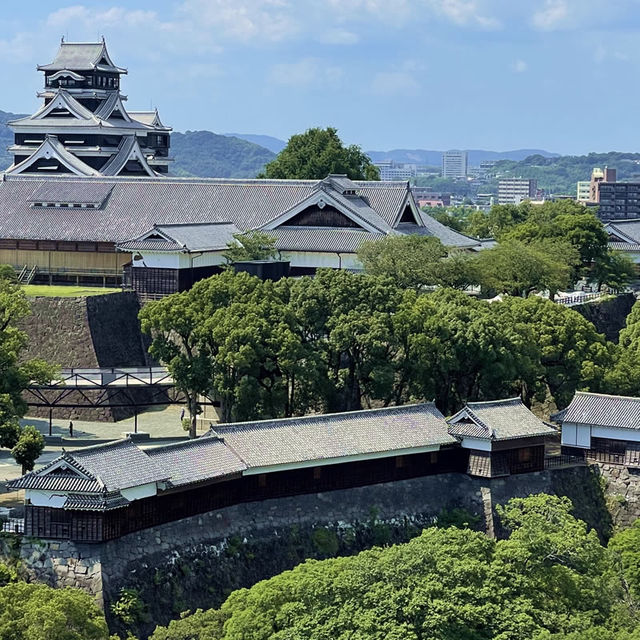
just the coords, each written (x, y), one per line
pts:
(599, 176)
(486, 168)
(454, 164)
(83, 128)
(391, 170)
(583, 191)
(106, 491)
(618, 200)
(516, 190)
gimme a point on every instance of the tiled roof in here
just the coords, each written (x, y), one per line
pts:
(79, 192)
(625, 246)
(119, 465)
(497, 420)
(198, 460)
(626, 230)
(137, 204)
(55, 482)
(79, 56)
(599, 409)
(448, 236)
(101, 502)
(322, 437)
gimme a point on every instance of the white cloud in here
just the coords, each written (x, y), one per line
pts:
(392, 83)
(306, 72)
(551, 16)
(337, 36)
(519, 66)
(243, 20)
(465, 13)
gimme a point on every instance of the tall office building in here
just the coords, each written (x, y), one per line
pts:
(515, 190)
(454, 164)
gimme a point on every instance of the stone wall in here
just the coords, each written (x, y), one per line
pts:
(198, 561)
(87, 332)
(621, 487)
(608, 315)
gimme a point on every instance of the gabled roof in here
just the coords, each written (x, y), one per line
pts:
(111, 104)
(53, 149)
(624, 230)
(497, 420)
(82, 56)
(183, 238)
(150, 118)
(61, 100)
(128, 149)
(599, 409)
(374, 432)
(106, 467)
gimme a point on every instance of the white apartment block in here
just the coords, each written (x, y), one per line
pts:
(454, 164)
(515, 190)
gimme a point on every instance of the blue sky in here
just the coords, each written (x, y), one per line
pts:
(495, 74)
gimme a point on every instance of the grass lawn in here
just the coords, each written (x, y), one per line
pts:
(63, 291)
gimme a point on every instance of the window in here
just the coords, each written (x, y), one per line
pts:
(262, 480)
(524, 455)
(317, 473)
(399, 462)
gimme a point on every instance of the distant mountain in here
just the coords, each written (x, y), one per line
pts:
(209, 155)
(268, 142)
(6, 137)
(434, 158)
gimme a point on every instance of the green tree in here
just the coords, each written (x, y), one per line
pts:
(38, 612)
(172, 323)
(316, 153)
(411, 261)
(28, 448)
(446, 584)
(614, 269)
(252, 245)
(624, 377)
(625, 544)
(572, 354)
(518, 269)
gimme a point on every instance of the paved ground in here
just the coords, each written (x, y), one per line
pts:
(162, 423)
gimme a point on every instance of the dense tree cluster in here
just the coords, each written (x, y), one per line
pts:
(341, 341)
(316, 153)
(551, 579)
(541, 247)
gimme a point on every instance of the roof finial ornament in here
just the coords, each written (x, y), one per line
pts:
(103, 42)
(62, 40)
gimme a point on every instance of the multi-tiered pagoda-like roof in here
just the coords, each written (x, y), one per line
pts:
(83, 127)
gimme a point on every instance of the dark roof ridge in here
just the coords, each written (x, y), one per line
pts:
(605, 395)
(488, 402)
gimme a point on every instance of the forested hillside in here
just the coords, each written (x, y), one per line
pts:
(207, 154)
(559, 175)
(6, 137)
